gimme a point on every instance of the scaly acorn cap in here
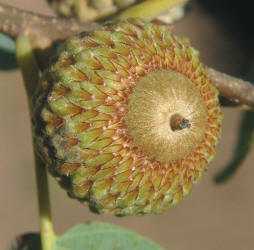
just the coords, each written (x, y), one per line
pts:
(126, 118)
(89, 10)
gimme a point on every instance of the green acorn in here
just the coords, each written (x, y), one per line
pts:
(91, 10)
(126, 118)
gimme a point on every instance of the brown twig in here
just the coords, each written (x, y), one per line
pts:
(43, 31)
(15, 22)
(232, 88)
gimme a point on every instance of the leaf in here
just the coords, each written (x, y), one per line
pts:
(7, 53)
(244, 144)
(100, 236)
(29, 241)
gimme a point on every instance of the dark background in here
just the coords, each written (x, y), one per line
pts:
(212, 217)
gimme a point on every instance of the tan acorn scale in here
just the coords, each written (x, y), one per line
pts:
(126, 118)
(89, 10)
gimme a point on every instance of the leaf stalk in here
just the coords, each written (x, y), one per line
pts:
(30, 73)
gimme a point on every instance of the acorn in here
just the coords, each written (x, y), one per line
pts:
(89, 10)
(126, 118)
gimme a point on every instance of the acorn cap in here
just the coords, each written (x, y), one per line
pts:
(126, 118)
(89, 10)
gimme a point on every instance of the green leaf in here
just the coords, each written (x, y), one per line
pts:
(100, 236)
(244, 144)
(7, 53)
(29, 241)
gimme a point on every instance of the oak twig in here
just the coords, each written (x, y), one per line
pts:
(232, 88)
(14, 22)
(43, 31)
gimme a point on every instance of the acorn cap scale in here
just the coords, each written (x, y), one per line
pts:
(89, 10)
(126, 118)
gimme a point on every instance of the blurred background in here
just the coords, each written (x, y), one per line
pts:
(212, 217)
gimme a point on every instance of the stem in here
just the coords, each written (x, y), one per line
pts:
(43, 31)
(46, 225)
(15, 22)
(30, 73)
(150, 9)
(27, 64)
(234, 89)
